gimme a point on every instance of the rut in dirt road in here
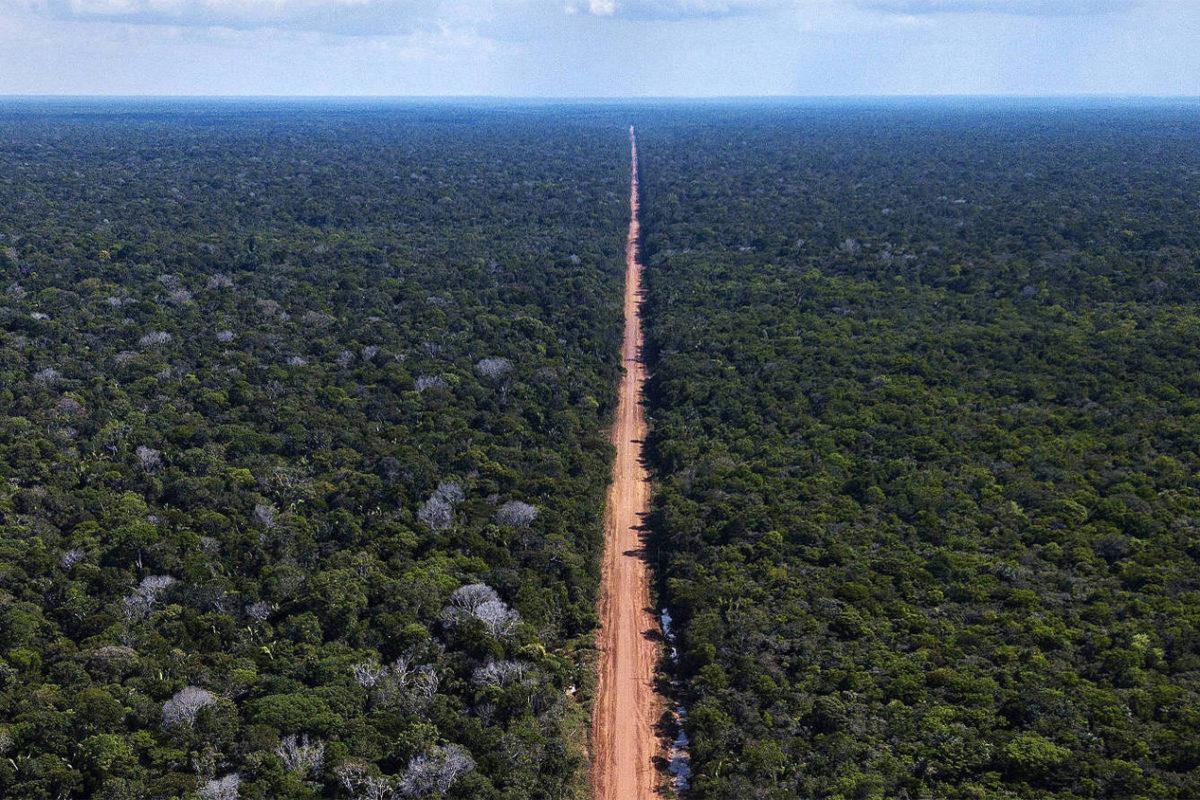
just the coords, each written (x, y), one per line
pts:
(624, 741)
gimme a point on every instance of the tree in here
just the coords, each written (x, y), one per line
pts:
(435, 771)
(516, 514)
(146, 596)
(497, 618)
(361, 784)
(480, 601)
(224, 788)
(493, 369)
(301, 755)
(437, 514)
(1032, 755)
(186, 705)
(107, 754)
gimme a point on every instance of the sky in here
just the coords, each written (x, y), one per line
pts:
(600, 48)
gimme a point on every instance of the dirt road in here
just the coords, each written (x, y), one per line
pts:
(624, 741)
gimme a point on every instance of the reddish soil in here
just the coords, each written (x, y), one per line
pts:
(624, 741)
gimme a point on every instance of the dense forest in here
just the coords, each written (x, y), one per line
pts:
(302, 446)
(924, 424)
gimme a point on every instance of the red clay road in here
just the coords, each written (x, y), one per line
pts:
(624, 741)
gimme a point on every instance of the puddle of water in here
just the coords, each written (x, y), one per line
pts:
(666, 620)
(679, 765)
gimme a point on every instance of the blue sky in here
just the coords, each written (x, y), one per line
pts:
(564, 48)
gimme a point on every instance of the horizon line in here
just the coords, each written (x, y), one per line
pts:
(605, 98)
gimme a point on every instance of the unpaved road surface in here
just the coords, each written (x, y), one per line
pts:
(624, 740)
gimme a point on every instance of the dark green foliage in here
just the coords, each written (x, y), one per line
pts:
(238, 349)
(925, 423)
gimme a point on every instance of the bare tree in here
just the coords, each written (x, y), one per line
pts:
(219, 281)
(424, 685)
(368, 674)
(316, 319)
(72, 557)
(516, 514)
(361, 784)
(301, 755)
(450, 491)
(148, 458)
(435, 771)
(154, 585)
(494, 369)
(265, 515)
(146, 596)
(225, 337)
(425, 382)
(497, 618)
(70, 407)
(480, 601)
(47, 375)
(185, 706)
(436, 514)
(225, 788)
(413, 689)
(400, 683)
(501, 673)
(154, 338)
(400, 670)
(259, 612)
(471, 596)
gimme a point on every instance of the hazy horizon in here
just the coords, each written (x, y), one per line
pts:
(593, 49)
(781, 99)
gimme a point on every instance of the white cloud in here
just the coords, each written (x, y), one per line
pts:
(1021, 8)
(609, 47)
(713, 9)
(673, 9)
(344, 17)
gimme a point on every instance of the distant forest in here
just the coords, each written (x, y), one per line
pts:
(925, 423)
(304, 417)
